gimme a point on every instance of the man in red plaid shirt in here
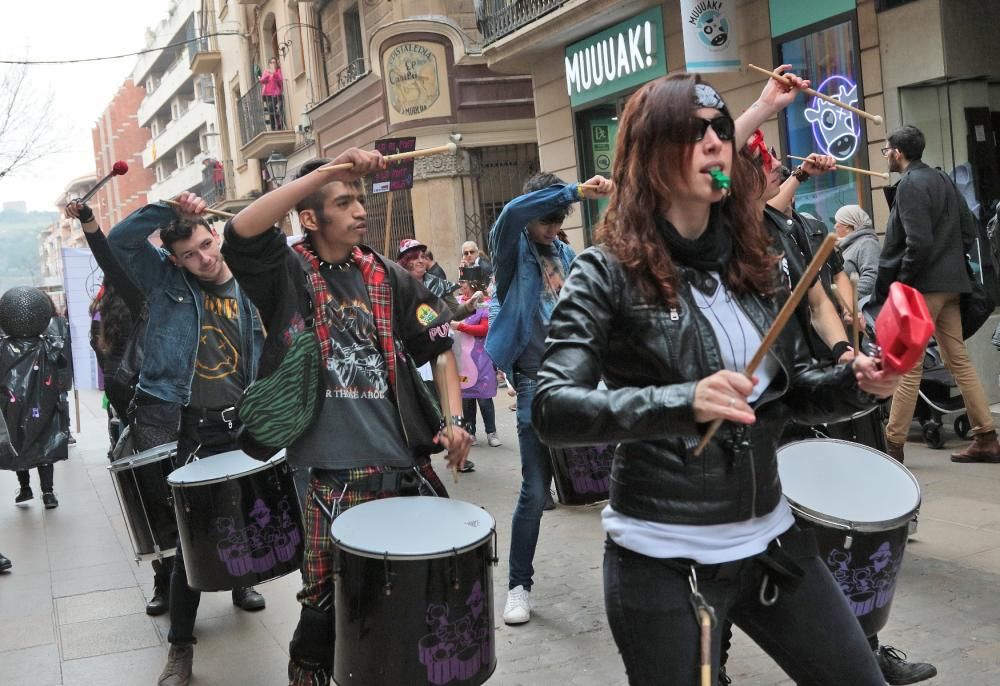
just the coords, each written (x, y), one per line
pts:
(372, 438)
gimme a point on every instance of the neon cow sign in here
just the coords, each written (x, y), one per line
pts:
(836, 131)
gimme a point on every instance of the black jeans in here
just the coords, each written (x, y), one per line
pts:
(487, 409)
(46, 475)
(810, 631)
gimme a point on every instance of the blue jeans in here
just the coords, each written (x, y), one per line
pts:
(536, 475)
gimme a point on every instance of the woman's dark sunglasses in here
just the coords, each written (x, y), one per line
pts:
(723, 126)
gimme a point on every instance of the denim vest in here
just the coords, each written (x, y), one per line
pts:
(518, 275)
(175, 309)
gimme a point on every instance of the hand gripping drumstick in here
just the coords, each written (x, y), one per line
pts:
(442, 386)
(119, 168)
(786, 312)
(833, 101)
(450, 148)
(207, 210)
(881, 175)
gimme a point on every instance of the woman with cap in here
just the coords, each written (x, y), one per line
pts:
(858, 245)
(667, 309)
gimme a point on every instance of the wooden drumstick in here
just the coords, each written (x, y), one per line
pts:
(877, 119)
(786, 312)
(207, 210)
(881, 175)
(856, 313)
(441, 381)
(450, 148)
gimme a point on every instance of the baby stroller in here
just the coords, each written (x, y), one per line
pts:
(937, 395)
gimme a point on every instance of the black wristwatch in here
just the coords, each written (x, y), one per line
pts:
(800, 174)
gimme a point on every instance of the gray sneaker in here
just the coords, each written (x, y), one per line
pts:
(178, 669)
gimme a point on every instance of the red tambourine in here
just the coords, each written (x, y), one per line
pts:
(903, 328)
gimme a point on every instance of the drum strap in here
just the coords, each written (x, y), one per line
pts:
(404, 481)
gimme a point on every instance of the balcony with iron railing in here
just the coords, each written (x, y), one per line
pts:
(218, 182)
(264, 124)
(205, 56)
(354, 71)
(498, 18)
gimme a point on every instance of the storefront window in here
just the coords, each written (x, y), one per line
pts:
(597, 130)
(829, 59)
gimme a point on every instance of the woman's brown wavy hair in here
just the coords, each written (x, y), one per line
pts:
(644, 153)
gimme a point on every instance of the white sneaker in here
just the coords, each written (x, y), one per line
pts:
(518, 607)
(493, 440)
(475, 441)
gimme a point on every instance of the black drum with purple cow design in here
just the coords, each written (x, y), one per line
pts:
(413, 598)
(238, 520)
(582, 475)
(859, 502)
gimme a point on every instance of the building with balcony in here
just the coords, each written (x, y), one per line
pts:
(118, 136)
(62, 233)
(259, 114)
(179, 105)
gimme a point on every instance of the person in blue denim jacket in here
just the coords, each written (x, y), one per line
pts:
(529, 263)
(201, 350)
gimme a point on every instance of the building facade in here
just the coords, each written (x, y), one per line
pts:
(118, 136)
(178, 108)
(64, 232)
(400, 75)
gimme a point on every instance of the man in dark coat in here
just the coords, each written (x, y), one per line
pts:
(925, 248)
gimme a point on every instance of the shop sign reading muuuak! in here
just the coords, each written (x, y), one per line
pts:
(617, 59)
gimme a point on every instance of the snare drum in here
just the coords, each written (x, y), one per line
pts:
(865, 428)
(141, 484)
(414, 593)
(582, 475)
(238, 519)
(859, 502)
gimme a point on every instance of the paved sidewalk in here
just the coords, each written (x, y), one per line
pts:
(71, 611)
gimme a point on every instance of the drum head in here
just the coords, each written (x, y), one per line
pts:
(145, 457)
(418, 527)
(220, 467)
(847, 483)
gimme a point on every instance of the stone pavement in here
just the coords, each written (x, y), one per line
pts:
(71, 610)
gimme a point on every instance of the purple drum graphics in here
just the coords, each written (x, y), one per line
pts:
(457, 649)
(238, 529)
(582, 475)
(867, 586)
(260, 545)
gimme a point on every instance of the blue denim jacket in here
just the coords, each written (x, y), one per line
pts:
(175, 308)
(517, 273)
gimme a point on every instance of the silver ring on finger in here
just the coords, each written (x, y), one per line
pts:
(732, 403)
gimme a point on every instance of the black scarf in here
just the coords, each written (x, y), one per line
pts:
(710, 252)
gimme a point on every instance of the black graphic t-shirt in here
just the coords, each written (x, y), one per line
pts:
(219, 369)
(359, 410)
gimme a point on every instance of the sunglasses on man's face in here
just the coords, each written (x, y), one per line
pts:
(723, 126)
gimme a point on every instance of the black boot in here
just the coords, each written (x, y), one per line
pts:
(897, 670)
(23, 495)
(5, 563)
(248, 599)
(160, 602)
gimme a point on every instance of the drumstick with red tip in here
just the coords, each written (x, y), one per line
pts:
(784, 314)
(119, 168)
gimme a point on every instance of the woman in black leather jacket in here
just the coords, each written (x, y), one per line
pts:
(668, 309)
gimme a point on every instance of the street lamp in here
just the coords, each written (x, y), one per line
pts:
(276, 166)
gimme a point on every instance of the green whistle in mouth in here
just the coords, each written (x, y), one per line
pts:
(719, 180)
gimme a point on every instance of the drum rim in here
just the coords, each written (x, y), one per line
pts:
(399, 557)
(268, 464)
(145, 457)
(833, 521)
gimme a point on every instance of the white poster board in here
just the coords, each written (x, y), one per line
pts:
(82, 279)
(710, 40)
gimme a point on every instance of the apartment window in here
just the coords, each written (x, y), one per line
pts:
(159, 173)
(353, 39)
(175, 110)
